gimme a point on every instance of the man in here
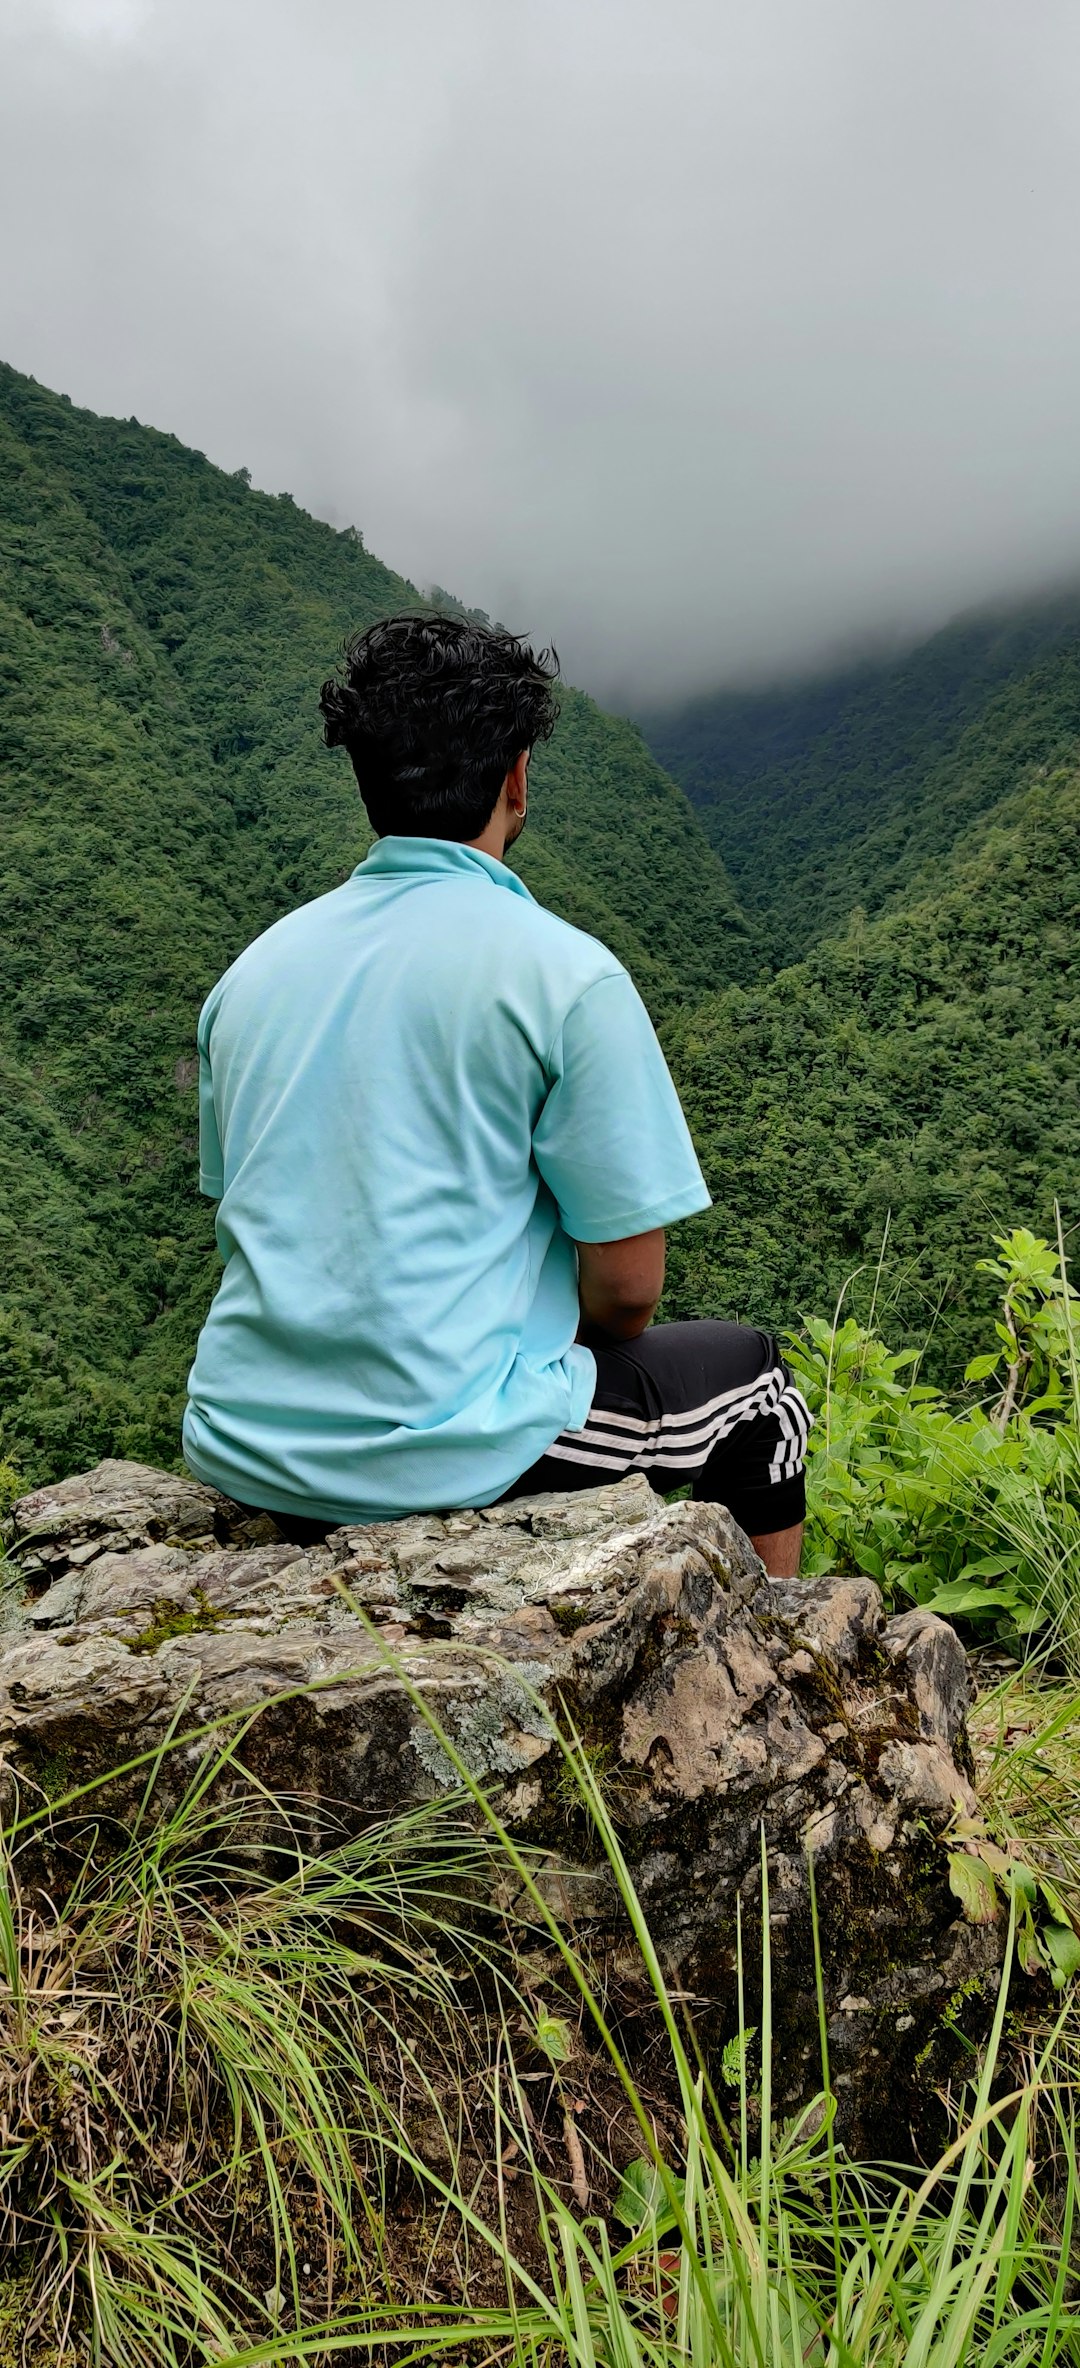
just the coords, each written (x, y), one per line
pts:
(445, 1146)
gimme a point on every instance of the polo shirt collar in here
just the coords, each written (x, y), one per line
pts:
(435, 859)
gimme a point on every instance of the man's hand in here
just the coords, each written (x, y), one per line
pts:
(619, 1285)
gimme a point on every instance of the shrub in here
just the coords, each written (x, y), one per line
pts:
(970, 1508)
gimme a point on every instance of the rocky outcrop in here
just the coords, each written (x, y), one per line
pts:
(715, 1702)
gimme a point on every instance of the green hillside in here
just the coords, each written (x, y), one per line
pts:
(244, 600)
(836, 793)
(921, 1071)
(910, 831)
(164, 794)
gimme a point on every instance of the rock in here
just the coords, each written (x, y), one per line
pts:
(118, 1506)
(715, 1703)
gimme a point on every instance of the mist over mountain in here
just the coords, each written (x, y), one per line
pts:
(697, 339)
(835, 793)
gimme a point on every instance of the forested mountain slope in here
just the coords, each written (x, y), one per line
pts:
(836, 793)
(921, 1071)
(164, 795)
(244, 600)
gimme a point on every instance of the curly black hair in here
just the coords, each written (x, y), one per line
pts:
(433, 712)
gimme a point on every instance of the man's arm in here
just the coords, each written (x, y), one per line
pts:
(619, 1285)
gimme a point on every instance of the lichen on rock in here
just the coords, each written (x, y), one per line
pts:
(718, 1703)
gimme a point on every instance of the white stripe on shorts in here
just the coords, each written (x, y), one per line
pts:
(684, 1442)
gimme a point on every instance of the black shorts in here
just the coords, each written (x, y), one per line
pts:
(707, 1403)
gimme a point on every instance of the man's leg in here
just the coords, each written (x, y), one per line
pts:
(707, 1404)
(781, 1551)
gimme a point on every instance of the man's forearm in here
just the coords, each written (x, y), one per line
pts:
(619, 1286)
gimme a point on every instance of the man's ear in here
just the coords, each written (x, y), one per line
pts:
(516, 784)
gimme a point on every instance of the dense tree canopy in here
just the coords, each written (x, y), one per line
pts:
(164, 795)
(837, 793)
(919, 1072)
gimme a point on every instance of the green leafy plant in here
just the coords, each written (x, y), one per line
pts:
(10, 1487)
(1036, 1328)
(971, 1509)
(986, 1878)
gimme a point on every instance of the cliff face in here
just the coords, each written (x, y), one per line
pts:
(151, 1618)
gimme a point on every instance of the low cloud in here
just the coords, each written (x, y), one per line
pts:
(705, 340)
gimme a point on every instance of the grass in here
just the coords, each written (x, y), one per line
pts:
(1025, 1734)
(247, 2111)
(791, 2254)
(260, 2105)
(207, 2068)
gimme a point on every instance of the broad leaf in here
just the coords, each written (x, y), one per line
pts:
(958, 1597)
(1023, 1880)
(641, 2201)
(1063, 1949)
(553, 2034)
(973, 1885)
(1059, 1913)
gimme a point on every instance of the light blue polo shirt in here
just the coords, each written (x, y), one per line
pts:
(416, 1094)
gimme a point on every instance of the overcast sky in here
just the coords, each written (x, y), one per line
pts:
(702, 335)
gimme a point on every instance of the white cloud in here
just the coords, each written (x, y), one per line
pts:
(93, 19)
(701, 337)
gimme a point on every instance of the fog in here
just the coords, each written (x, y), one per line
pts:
(709, 339)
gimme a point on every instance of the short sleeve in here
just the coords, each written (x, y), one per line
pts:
(211, 1166)
(611, 1142)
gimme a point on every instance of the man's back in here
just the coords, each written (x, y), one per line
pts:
(409, 1116)
(446, 1146)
